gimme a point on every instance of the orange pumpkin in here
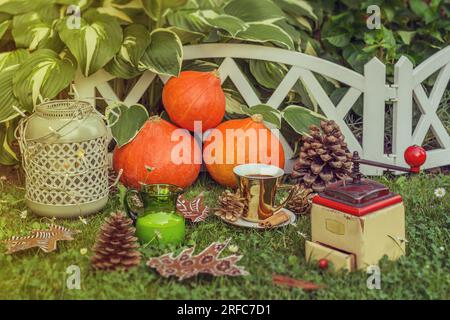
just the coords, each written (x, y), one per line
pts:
(194, 96)
(253, 143)
(152, 156)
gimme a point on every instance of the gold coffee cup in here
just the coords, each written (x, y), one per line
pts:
(259, 183)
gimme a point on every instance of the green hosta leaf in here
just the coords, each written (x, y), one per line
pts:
(225, 22)
(164, 55)
(9, 65)
(10, 58)
(95, 43)
(406, 36)
(126, 122)
(233, 105)
(8, 99)
(4, 27)
(187, 36)
(297, 8)
(43, 74)
(188, 20)
(265, 32)
(122, 11)
(7, 156)
(300, 118)
(254, 10)
(268, 74)
(156, 8)
(36, 30)
(15, 7)
(269, 114)
(125, 63)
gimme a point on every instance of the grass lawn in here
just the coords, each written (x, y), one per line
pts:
(422, 274)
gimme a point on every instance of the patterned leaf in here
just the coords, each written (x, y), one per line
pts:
(95, 43)
(186, 265)
(194, 210)
(44, 239)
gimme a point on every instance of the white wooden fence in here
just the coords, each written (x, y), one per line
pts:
(372, 85)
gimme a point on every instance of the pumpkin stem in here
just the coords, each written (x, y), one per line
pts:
(154, 118)
(216, 73)
(257, 118)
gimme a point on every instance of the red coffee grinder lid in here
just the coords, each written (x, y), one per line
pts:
(357, 196)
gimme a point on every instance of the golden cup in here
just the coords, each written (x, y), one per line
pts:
(259, 183)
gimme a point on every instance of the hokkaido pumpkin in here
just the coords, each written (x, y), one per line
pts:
(152, 156)
(194, 96)
(241, 141)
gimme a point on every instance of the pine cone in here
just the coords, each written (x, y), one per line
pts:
(300, 202)
(324, 157)
(231, 206)
(115, 248)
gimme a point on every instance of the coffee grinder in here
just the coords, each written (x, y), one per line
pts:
(355, 223)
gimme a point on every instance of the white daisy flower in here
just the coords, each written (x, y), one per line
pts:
(23, 214)
(233, 248)
(83, 220)
(439, 192)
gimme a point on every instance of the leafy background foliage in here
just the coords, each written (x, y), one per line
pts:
(128, 37)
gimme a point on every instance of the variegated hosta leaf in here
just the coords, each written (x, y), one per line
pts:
(126, 122)
(268, 74)
(164, 55)
(9, 65)
(15, 7)
(298, 8)
(267, 32)
(269, 114)
(125, 63)
(156, 8)
(96, 42)
(122, 10)
(300, 118)
(7, 156)
(11, 58)
(254, 10)
(44, 74)
(231, 24)
(4, 27)
(187, 36)
(187, 20)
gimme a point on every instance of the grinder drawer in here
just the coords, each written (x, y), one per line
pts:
(341, 260)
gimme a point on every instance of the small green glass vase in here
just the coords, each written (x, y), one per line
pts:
(157, 221)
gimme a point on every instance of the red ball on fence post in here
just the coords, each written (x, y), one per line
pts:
(415, 157)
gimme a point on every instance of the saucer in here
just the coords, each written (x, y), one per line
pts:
(255, 225)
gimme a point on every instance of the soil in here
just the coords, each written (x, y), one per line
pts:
(13, 175)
